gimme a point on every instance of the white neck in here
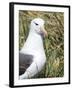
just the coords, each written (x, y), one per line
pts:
(34, 43)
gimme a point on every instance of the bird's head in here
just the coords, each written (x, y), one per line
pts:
(37, 25)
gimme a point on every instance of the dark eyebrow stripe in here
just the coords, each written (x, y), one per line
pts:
(36, 23)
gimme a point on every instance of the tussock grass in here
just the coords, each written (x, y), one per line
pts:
(53, 44)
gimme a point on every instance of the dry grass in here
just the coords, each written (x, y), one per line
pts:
(53, 44)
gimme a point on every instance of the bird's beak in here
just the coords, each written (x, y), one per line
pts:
(43, 31)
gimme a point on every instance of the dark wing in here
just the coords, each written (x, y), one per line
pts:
(25, 61)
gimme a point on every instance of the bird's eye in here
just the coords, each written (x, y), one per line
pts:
(36, 23)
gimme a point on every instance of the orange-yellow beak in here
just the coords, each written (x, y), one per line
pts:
(44, 31)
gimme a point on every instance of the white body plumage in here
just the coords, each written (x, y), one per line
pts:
(34, 46)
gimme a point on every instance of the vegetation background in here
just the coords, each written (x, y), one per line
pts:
(53, 44)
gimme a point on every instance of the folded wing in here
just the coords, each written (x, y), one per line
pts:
(25, 60)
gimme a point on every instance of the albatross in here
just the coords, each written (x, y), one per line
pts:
(32, 56)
